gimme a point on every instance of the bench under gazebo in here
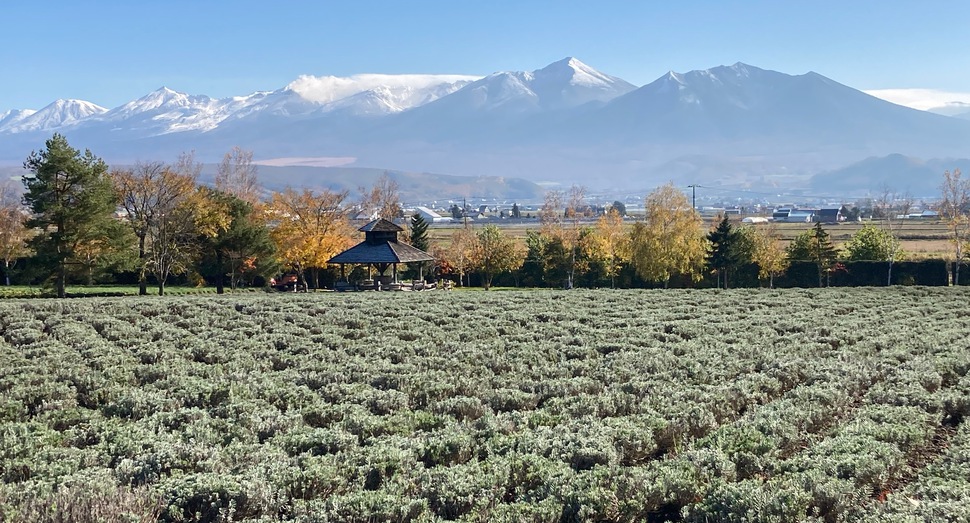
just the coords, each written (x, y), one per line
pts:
(380, 250)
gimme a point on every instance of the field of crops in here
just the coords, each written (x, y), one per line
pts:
(743, 405)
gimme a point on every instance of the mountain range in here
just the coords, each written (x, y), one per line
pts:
(730, 126)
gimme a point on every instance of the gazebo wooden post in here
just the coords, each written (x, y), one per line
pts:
(394, 272)
(343, 274)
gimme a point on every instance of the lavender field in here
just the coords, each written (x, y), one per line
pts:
(740, 405)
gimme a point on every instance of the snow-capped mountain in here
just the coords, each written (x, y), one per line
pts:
(561, 85)
(370, 94)
(565, 122)
(57, 115)
(571, 83)
(163, 111)
(11, 117)
(761, 108)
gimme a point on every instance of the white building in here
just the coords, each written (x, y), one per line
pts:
(431, 216)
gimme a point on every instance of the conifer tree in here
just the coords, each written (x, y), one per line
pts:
(73, 202)
(419, 232)
(814, 245)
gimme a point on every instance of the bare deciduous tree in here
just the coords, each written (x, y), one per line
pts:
(953, 210)
(560, 217)
(383, 199)
(237, 175)
(151, 193)
(894, 208)
(13, 229)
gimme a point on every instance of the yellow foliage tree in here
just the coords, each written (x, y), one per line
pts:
(495, 252)
(463, 254)
(771, 258)
(308, 229)
(670, 241)
(610, 244)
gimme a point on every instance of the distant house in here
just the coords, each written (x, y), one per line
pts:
(831, 214)
(781, 214)
(925, 215)
(366, 216)
(794, 215)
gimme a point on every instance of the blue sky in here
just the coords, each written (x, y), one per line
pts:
(110, 52)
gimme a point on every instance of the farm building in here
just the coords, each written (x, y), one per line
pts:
(831, 214)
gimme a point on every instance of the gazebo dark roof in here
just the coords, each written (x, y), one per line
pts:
(384, 252)
(380, 247)
(380, 225)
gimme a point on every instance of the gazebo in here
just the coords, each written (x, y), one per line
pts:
(380, 249)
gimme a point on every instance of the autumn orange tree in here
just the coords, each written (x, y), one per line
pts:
(670, 240)
(308, 229)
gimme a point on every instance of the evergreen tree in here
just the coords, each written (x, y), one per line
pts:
(531, 273)
(620, 207)
(722, 256)
(73, 204)
(420, 240)
(814, 245)
(516, 212)
(242, 247)
(419, 233)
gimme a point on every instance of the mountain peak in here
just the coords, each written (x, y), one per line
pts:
(569, 61)
(59, 113)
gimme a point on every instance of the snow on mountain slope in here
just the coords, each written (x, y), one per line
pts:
(569, 83)
(161, 101)
(389, 99)
(13, 116)
(163, 111)
(561, 85)
(61, 113)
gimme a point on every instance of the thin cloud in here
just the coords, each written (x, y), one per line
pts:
(326, 89)
(924, 99)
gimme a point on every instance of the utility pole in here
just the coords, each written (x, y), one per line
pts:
(464, 212)
(693, 195)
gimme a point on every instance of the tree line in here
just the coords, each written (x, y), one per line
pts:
(78, 220)
(669, 246)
